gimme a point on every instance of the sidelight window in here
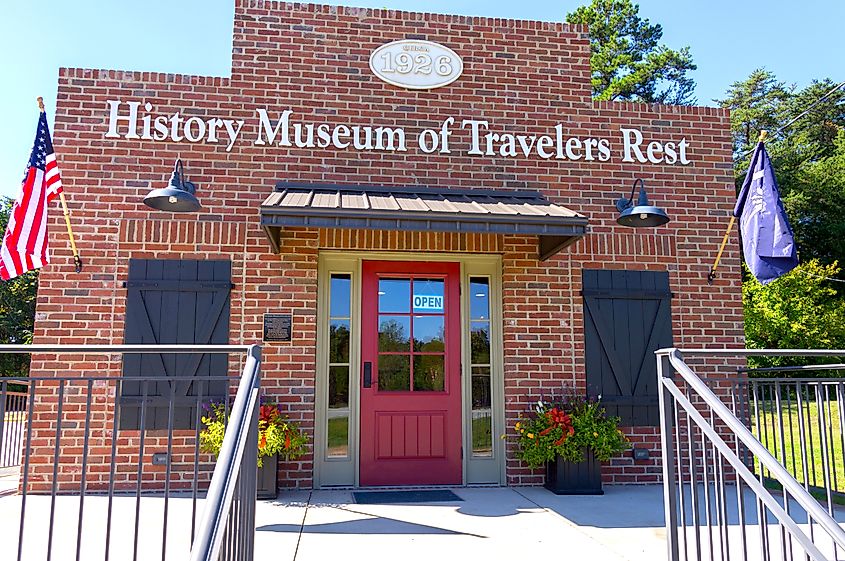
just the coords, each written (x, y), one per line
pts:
(482, 416)
(337, 442)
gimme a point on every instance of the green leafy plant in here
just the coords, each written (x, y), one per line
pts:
(567, 429)
(800, 310)
(276, 433)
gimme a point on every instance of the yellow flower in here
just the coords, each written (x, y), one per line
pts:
(530, 435)
(517, 426)
(595, 434)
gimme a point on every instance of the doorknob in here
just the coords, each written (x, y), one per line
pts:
(368, 374)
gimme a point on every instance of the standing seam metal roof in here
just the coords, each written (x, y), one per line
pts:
(422, 209)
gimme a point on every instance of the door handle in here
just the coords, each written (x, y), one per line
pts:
(368, 374)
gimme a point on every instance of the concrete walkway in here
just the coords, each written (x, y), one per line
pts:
(488, 523)
(498, 523)
(9, 478)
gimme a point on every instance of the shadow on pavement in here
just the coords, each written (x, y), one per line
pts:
(372, 525)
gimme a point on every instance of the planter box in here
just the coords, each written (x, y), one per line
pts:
(567, 478)
(267, 482)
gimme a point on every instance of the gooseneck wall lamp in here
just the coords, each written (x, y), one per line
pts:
(641, 215)
(178, 196)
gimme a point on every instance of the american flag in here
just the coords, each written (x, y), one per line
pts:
(25, 243)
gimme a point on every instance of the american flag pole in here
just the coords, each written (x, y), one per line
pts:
(77, 261)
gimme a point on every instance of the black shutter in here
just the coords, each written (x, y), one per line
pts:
(174, 302)
(627, 317)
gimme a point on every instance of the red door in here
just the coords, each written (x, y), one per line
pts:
(411, 390)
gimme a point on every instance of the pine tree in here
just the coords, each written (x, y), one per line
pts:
(628, 62)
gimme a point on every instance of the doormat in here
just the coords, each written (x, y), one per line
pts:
(393, 497)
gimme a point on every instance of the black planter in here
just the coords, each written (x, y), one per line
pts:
(567, 478)
(267, 483)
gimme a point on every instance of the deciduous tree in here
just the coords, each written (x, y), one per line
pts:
(800, 310)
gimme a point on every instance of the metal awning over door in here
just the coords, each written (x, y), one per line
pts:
(422, 209)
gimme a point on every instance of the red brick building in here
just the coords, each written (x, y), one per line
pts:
(447, 253)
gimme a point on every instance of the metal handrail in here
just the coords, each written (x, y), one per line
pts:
(111, 349)
(737, 463)
(754, 352)
(788, 379)
(73, 385)
(810, 367)
(221, 491)
(741, 432)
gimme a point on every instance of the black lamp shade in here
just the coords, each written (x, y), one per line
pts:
(178, 196)
(641, 215)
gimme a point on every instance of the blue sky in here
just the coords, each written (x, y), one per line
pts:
(728, 39)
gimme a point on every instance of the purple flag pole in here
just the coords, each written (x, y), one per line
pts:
(711, 276)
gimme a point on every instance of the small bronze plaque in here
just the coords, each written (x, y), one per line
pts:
(277, 327)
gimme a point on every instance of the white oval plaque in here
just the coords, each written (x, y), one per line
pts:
(416, 65)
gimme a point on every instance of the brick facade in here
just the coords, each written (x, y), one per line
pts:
(521, 76)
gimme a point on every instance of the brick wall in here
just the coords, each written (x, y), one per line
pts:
(522, 76)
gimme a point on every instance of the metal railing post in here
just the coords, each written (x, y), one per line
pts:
(696, 395)
(88, 405)
(238, 447)
(670, 497)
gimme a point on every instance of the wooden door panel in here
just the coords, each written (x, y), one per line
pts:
(414, 435)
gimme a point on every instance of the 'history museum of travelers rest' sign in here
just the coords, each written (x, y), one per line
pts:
(134, 120)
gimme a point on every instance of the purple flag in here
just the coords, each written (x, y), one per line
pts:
(767, 241)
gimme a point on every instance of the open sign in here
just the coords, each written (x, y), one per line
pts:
(425, 302)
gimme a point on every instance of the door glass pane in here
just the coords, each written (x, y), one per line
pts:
(338, 441)
(429, 334)
(394, 334)
(482, 416)
(394, 373)
(338, 386)
(479, 299)
(428, 373)
(339, 296)
(428, 295)
(394, 295)
(338, 412)
(480, 387)
(480, 342)
(339, 341)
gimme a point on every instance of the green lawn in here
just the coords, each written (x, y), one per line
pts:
(790, 455)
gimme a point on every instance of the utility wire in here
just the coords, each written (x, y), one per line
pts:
(786, 126)
(797, 117)
(807, 110)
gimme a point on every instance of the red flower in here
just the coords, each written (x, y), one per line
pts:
(559, 419)
(268, 414)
